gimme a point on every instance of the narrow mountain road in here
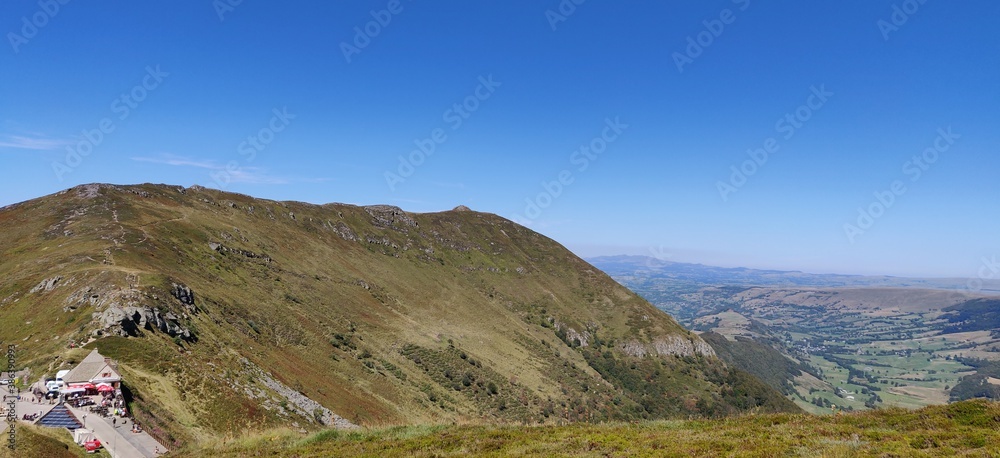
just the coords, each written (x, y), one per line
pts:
(119, 440)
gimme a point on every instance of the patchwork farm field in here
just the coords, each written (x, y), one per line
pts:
(854, 347)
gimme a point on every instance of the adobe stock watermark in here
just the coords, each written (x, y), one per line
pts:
(885, 199)
(255, 143)
(47, 9)
(712, 29)
(989, 269)
(787, 125)
(224, 7)
(562, 12)
(657, 257)
(123, 105)
(453, 118)
(363, 35)
(582, 158)
(11, 397)
(901, 14)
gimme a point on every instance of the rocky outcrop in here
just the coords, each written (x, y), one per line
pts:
(88, 191)
(185, 296)
(390, 216)
(668, 346)
(384, 241)
(220, 248)
(46, 285)
(572, 336)
(343, 231)
(130, 321)
(83, 297)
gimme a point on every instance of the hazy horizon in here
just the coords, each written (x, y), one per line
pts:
(855, 138)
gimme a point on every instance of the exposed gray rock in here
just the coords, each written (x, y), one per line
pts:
(130, 321)
(390, 216)
(246, 253)
(384, 241)
(344, 231)
(185, 296)
(667, 346)
(47, 285)
(88, 191)
(112, 316)
(583, 337)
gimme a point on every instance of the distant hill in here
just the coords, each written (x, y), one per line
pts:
(229, 313)
(974, 315)
(645, 267)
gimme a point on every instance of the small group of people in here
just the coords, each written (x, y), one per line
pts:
(109, 406)
(40, 398)
(115, 406)
(81, 402)
(113, 402)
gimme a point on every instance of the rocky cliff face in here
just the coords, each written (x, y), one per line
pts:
(668, 346)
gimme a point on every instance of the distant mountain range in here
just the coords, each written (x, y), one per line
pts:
(649, 267)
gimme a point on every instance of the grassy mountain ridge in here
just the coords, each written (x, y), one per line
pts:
(970, 428)
(228, 312)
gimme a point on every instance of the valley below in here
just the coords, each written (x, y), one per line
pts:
(841, 343)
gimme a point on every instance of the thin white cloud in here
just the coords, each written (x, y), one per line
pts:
(30, 143)
(255, 175)
(241, 174)
(169, 159)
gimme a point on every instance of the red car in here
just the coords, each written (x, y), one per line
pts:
(92, 446)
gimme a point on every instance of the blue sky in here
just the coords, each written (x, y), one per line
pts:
(612, 127)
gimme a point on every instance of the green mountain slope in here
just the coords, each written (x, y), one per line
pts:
(969, 428)
(230, 313)
(759, 359)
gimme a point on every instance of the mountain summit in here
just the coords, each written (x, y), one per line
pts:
(227, 312)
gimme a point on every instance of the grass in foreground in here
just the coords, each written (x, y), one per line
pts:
(969, 428)
(36, 441)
